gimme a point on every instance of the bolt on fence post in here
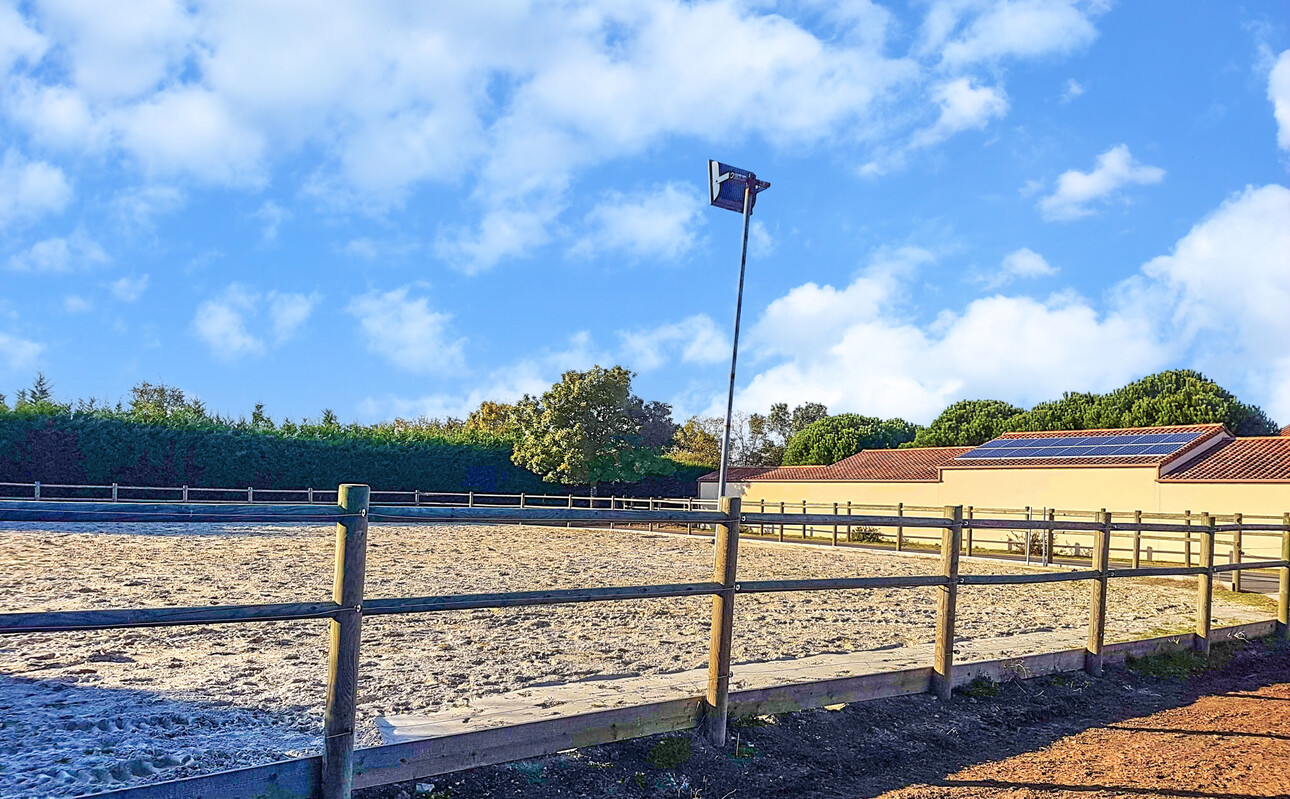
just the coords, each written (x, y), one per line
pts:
(1283, 594)
(946, 599)
(1205, 587)
(781, 521)
(967, 533)
(1097, 611)
(900, 530)
(1137, 539)
(1237, 542)
(803, 526)
(835, 525)
(346, 630)
(724, 569)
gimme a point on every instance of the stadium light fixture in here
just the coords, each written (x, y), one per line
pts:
(733, 189)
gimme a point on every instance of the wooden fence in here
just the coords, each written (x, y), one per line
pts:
(341, 768)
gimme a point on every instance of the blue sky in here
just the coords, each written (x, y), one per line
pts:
(392, 209)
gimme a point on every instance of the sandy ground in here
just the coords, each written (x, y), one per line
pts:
(90, 711)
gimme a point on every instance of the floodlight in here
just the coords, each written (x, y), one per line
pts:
(733, 189)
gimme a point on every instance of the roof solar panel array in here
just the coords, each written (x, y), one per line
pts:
(1127, 444)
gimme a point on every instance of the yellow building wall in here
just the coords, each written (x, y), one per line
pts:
(1119, 490)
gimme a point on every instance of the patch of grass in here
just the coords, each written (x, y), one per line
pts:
(752, 721)
(1253, 600)
(669, 752)
(1059, 680)
(639, 779)
(865, 535)
(744, 750)
(980, 688)
(1176, 665)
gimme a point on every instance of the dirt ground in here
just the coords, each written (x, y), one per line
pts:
(1221, 734)
(97, 710)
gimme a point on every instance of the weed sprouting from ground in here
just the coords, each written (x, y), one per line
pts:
(669, 752)
(1182, 664)
(980, 688)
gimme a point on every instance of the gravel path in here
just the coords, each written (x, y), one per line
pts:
(83, 711)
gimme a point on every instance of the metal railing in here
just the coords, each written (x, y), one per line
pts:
(341, 768)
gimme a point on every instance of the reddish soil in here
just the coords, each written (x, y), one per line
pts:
(1221, 734)
(1227, 746)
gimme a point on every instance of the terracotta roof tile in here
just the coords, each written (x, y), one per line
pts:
(1265, 459)
(872, 465)
(1285, 431)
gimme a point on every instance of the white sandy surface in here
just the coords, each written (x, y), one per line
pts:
(90, 711)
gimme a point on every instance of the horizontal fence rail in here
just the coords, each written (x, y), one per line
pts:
(342, 768)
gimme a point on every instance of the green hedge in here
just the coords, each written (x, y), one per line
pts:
(89, 450)
(84, 449)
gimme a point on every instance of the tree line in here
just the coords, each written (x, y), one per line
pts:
(591, 428)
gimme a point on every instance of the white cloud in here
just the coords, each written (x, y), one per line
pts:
(18, 353)
(1010, 28)
(1023, 263)
(30, 189)
(60, 254)
(1073, 89)
(227, 322)
(18, 41)
(501, 234)
(192, 131)
(964, 106)
(695, 339)
(656, 224)
(1076, 191)
(1279, 94)
(271, 215)
(129, 289)
(760, 242)
(1216, 302)
(74, 304)
(408, 333)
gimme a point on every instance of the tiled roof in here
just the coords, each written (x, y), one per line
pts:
(1241, 459)
(873, 465)
(1285, 431)
(1210, 431)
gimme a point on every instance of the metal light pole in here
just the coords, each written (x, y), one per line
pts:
(727, 184)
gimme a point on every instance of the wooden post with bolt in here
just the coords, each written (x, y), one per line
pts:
(781, 521)
(946, 599)
(1137, 539)
(1097, 611)
(346, 630)
(1205, 587)
(1237, 542)
(967, 534)
(1283, 594)
(900, 530)
(724, 564)
(835, 525)
(1187, 538)
(804, 512)
(1049, 536)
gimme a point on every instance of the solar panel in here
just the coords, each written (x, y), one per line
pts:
(1087, 446)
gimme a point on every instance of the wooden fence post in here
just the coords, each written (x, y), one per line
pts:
(1205, 587)
(1283, 595)
(781, 521)
(900, 529)
(346, 630)
(967, 533)
(1097, 611)
(689, 508)
(724, 568)
(114, 492)
(946, 599)
(1137, 539)
(569, 523)
(1187, 538)
(651, 507)
(36, 491)
(184, 497)
(1237, 543)
(250, 494)
(1049, 537)
(804, 531)
(470, 499)
(835, 525)
(848, 521)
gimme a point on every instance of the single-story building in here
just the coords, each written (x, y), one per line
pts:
(1170, 470)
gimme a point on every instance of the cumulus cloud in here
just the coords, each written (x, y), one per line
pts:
(30, 189)
(233, 323)
(1020, 264)
(695, 339)
(408, 333)
(656, 224)
(1279, 94)
(17, 353)
(129, 289)
(382, 99)
(1216, 302)
(1073, 89)
(60, 254)
(1076, 191)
